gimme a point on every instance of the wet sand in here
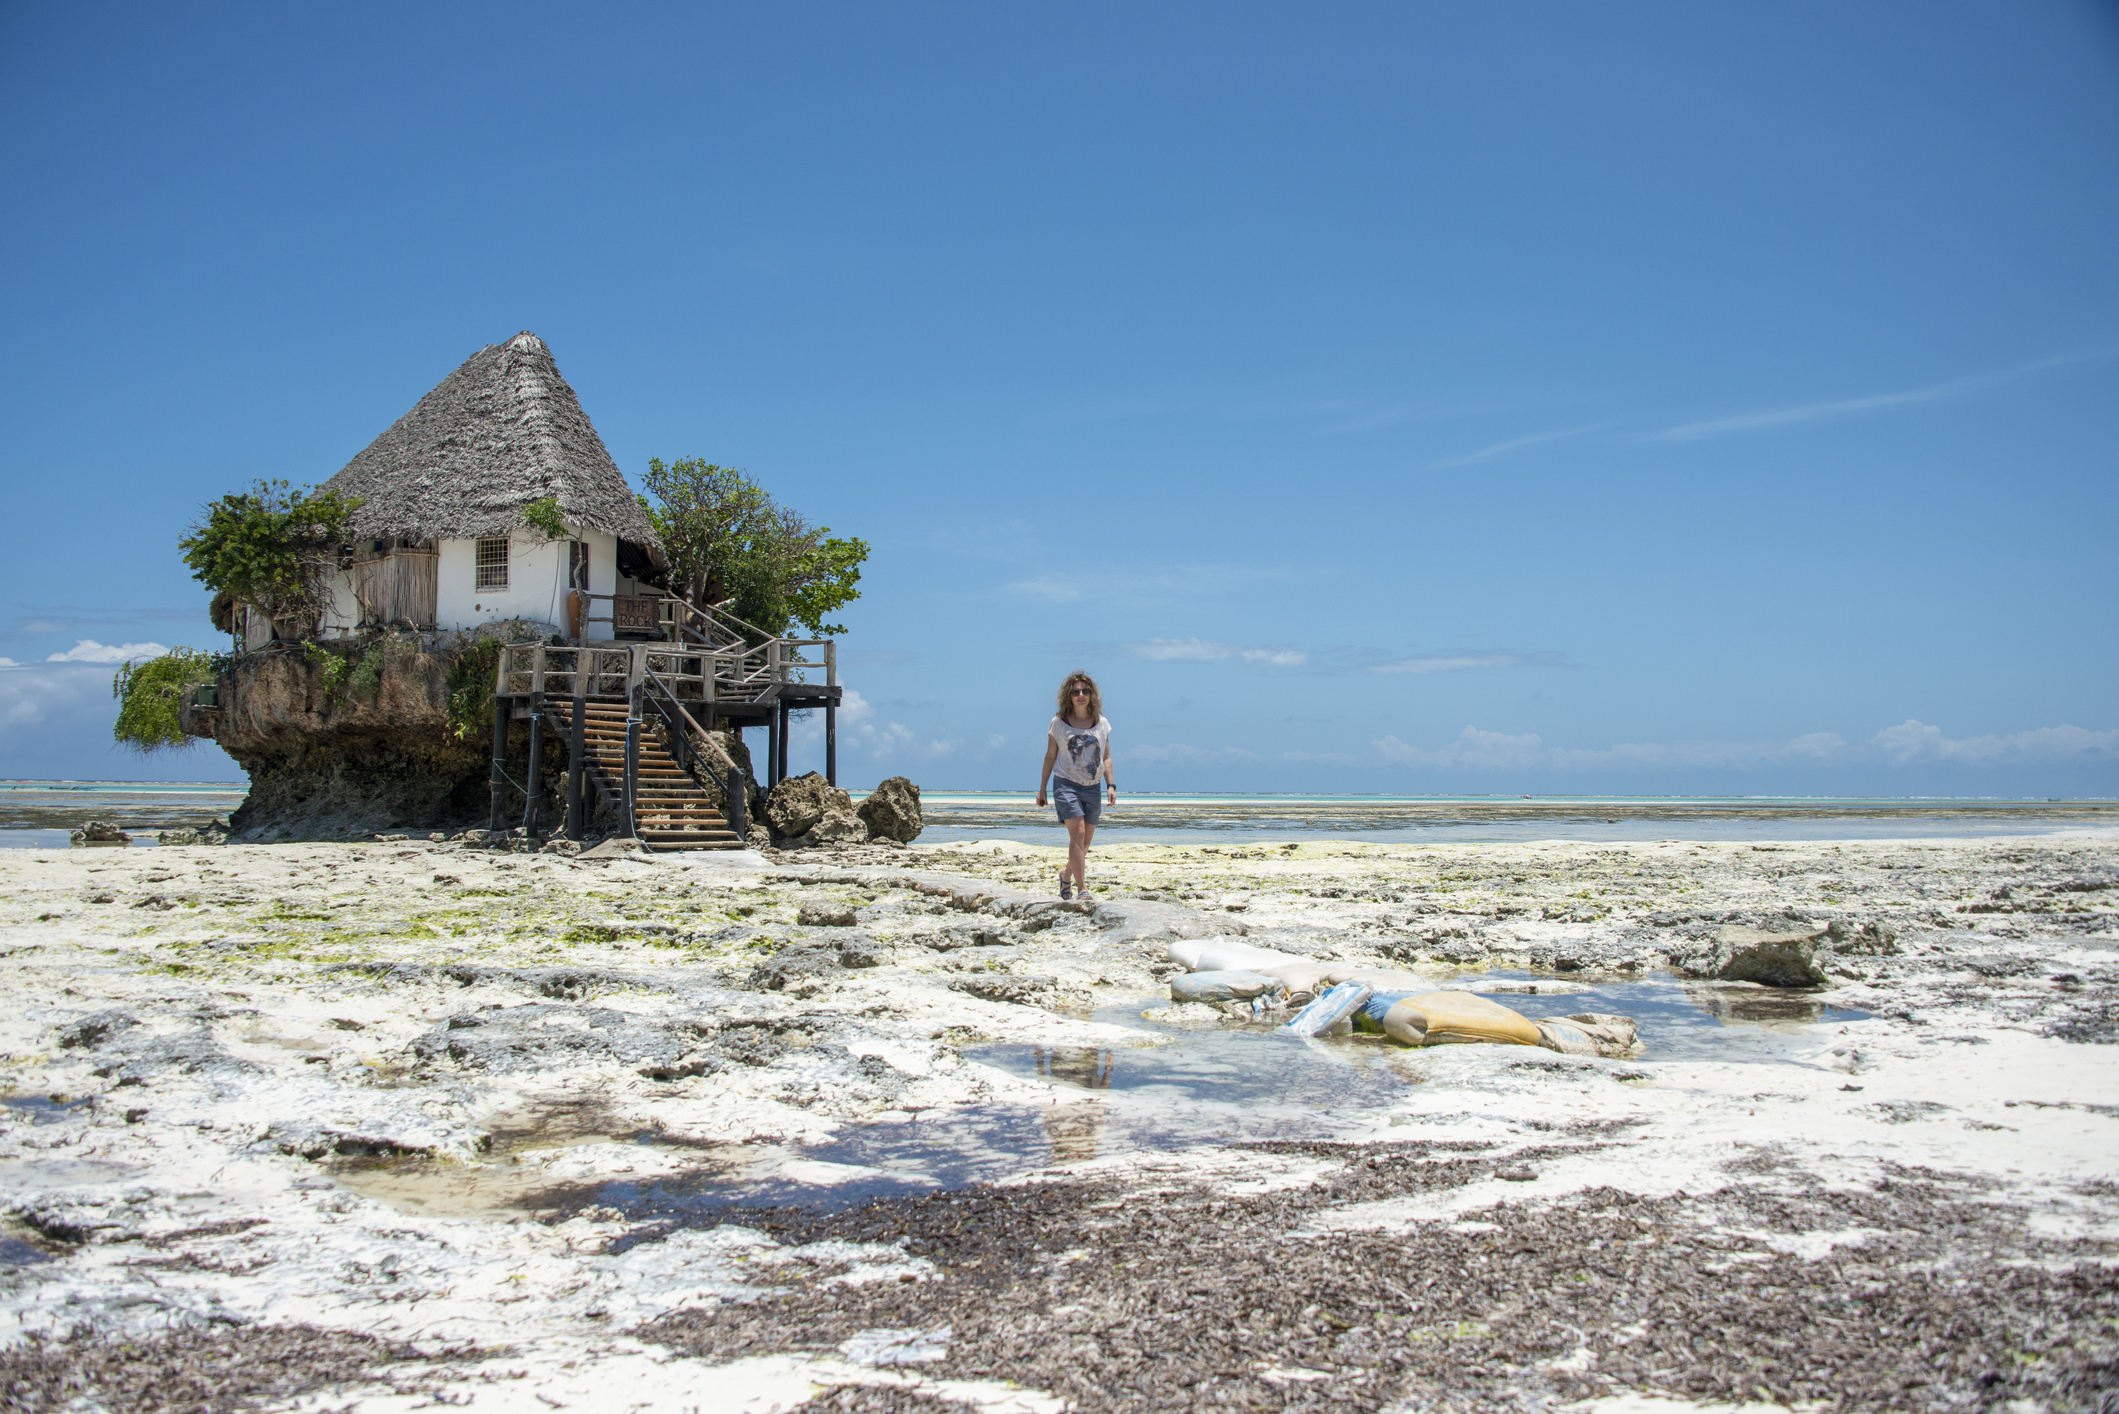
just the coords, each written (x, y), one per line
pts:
(886, 1128)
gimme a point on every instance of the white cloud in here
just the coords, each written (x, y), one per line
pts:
(1472, 750)
(1466, 659)
(1841, 407)
(9, 663)
(1199, 650)
(860, 730)
(1915, 740)
(1910, 741)
(1195, 754)
(88, 650)
(31, 692)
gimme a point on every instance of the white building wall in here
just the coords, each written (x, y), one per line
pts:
(341, 610)
(537, 586)
(537, 583)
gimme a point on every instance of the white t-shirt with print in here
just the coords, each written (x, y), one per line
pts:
(1082, 750)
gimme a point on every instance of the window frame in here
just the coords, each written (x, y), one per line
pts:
(483, 566)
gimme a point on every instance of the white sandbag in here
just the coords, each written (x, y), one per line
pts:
(1304, 979)
(1383, 979)
(1224, 986)
(1224, 955)
(1590, 1033)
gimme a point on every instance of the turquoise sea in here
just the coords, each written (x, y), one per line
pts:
(1172, 819)
(39, 813)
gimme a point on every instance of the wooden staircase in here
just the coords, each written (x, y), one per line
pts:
(671, 811)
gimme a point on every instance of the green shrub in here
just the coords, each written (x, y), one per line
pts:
(366, 679)
(149, 695)
(471, 686)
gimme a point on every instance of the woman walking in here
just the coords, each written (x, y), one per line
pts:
(1078, 759)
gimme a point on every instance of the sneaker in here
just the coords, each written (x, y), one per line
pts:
(1066, 889)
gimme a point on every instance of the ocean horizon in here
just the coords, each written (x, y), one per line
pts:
(38, 813)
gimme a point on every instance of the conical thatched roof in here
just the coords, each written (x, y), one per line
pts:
(500, 432)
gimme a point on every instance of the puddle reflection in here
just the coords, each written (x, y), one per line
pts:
(1199, 1088)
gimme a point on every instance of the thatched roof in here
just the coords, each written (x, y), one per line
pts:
(500, 432)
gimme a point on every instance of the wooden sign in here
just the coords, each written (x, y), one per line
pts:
(635, 613)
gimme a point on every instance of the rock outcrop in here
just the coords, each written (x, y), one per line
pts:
(1776, 959)
(892, 811)
(805, 810)
(347, 741)
(795, 805)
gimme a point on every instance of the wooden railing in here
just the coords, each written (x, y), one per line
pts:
(732, 672)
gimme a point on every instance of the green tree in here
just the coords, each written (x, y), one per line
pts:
(149, 695)
(271, 546)
(728, 539)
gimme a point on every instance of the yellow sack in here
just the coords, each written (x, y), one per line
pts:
(1455, 1018)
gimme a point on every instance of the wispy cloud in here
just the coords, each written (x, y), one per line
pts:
(1466, 660)
(1477, 750)
(34, 692)
(1178, 583)
(1843, 407)
(1516, 444)
(1191, 755)
(1200, 650)
(71, 618)
(90, 651)
(1915, 740)
(862, 730)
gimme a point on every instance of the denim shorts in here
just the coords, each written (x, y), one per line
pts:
(1077, 802)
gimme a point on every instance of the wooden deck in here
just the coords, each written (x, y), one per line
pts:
(706, 669)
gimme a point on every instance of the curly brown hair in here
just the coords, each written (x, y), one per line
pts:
(1066, 697)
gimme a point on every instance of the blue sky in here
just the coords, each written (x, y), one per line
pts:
(1400, 398)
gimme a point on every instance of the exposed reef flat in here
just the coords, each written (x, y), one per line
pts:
(373, 1126)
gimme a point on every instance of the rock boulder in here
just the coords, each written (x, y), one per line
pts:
(795, 805)
(892, 811)
(840, 824)
(1776, 959)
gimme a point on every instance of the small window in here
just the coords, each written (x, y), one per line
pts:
(493, 563)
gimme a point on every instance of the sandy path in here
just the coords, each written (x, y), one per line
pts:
(337, 1126)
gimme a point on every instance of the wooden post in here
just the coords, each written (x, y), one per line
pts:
(499, 779)
(831, 740)
(786, 721)
(531, 784)
(772, 745)
(632, 763)
(575, 746)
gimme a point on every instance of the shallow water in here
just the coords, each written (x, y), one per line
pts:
(130, 805)
(1183, 1089)
(1149, 818)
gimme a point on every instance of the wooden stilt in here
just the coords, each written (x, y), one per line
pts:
(532, 785)
(497, 783)
(576, 752)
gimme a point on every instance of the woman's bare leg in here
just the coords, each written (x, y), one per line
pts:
(1079, 832)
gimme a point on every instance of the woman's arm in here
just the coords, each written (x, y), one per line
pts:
(1051, 755)
(1110, 781)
